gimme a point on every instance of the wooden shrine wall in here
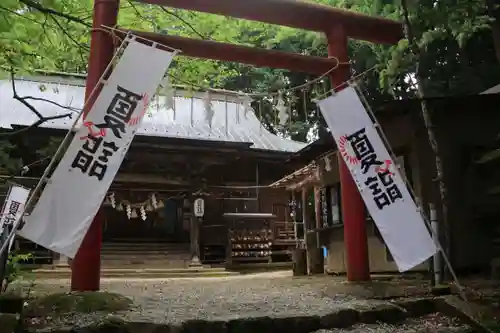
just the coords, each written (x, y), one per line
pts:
(273, 201)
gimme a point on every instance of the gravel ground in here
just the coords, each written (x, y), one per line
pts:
(432, 323)
(172, 301)
(266, 294)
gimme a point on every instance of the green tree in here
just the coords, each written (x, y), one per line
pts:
(459, 52)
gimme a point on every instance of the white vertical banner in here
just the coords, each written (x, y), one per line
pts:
(82, 178)
(13, 208)
(378, 179)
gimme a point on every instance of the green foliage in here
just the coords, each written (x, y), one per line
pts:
(454, 45)
(493, 326)
(13, 269)
(453, 35)
(77, 302)
(50, 148)
(32, 39)
(8, 160)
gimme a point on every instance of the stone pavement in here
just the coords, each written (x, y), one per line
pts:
(434, 323)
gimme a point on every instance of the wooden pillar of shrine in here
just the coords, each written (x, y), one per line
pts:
(313, 260)
(315, 252)
(194, 237)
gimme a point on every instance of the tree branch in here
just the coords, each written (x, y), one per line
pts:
(23, 100)
(69, 108)
(69, 35)
(42, 9)
(408, 29)
(180, 18)
(429, 125)
(184, 21)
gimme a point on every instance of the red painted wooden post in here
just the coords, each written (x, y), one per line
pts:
(353, 208)
(86, 266)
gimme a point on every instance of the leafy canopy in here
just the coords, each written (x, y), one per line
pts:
(454, 36)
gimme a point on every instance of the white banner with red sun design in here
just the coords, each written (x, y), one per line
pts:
(378, 179)
(80, 182)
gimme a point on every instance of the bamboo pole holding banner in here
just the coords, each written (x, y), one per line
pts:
(436, 260)
(4, 256)
(61, 149)
(427, 222)
(64, 145)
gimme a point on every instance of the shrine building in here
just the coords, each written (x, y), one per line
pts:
(176, 157)
(469, 145)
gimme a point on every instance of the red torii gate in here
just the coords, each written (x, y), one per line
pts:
(338, 25)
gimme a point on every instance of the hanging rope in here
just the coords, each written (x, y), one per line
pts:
(264, 94)
(112, 31)
(345, 83)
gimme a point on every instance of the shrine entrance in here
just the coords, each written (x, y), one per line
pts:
(164, 225)
(338, 25)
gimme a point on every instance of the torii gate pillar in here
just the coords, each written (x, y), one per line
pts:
(86, 266)
(353, 208)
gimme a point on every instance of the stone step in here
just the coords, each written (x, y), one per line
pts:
(128, 252)
(146, 262)
(143, 273)
(158, 264)
(143, 247)
(153, 243)
(145, 256)
(154, 254)
(141, 240)
(143, 250)
(171, 247)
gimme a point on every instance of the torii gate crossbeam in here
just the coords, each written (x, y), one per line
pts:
(338, 25)
(297, 14)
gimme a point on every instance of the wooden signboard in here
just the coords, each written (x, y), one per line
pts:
(325, 211)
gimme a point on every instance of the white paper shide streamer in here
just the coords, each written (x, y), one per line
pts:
(80, 182)
(378, 179)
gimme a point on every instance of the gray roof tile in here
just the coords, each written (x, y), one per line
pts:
(158, 122)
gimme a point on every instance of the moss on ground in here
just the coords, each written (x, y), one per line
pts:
(77, 302)
(8, 322)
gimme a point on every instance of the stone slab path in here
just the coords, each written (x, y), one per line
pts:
(434, 323)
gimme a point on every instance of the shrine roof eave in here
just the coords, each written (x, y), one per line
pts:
(313, 150)
(188, 121)
(58, 132)
(302, 178)
(180, 142)
(297, 14)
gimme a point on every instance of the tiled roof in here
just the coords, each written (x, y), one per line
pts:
(188, 123)
(492, 90)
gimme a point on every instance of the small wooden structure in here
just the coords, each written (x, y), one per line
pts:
(250, 237)
(306, 215)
